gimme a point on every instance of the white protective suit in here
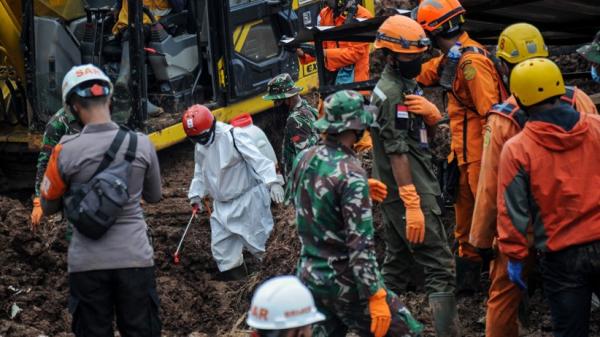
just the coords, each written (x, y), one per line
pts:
(238, 185)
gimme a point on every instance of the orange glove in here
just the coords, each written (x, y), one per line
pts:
(415, 220)
(381, 317)
(364, 144)
(37, 213)
(419, 105)
(377, 190)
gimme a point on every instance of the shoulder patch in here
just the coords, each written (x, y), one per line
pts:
(379, 93)
(487, 133)
(469, 72)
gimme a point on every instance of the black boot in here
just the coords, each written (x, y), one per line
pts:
(234, 274)
(468, 276)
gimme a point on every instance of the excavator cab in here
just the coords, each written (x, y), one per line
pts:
(217, 53)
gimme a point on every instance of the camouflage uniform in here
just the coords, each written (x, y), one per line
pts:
(433, 254)
(335, 224)
(299, 132)
(62, 123)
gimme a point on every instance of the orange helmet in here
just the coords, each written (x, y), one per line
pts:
(434, 14)
(402, 34)
(198, 123)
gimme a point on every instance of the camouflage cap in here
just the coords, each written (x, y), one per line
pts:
(344, 110)
(281, 87)
(591, 51)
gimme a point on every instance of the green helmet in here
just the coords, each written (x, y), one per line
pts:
(591, 52)
(281, 87)
(344, 110)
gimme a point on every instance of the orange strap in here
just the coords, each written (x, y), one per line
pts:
(53, 186)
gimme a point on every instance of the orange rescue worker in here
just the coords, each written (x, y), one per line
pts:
(473, 86)
(517, 43)
(548, 183)
(345, 62)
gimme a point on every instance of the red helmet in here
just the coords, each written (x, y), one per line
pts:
(196, 120)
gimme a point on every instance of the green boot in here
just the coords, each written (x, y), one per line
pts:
(444, 314)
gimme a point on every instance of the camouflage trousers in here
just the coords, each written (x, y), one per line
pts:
(433, 255)
(348, 312)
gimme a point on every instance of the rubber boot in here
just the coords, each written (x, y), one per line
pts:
(234, 274)
(444, 314)
(468, 279)
(121, 108)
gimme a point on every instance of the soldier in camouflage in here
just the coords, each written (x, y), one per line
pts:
(299, 132)
(62, 123)
(335, 224)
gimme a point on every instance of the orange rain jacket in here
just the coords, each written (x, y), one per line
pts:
(551, 176)
(343, 53)
(505, 121)
(476, 88)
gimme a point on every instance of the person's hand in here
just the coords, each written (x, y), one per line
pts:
(196, 203)
(36, 213)
(415, 220)
(515, 272)
(277, 193)
(419, 105)
(381, 317)
(377, 190)
(300, 53)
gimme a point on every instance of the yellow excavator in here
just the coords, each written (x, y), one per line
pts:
(218, 53)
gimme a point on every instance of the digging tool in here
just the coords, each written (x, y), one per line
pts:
(176, 254)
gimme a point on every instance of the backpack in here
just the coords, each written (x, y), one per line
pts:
(94, 206)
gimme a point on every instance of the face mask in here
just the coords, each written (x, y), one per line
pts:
(205, 138)
(281, 107)
(408, 69)
(595, 75)
(359, 135)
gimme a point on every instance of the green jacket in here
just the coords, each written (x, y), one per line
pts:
(62, 123)
(335, 222)
(388, 139)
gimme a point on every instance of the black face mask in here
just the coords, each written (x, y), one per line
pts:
(359, 135)
(408, 69)
(205, 138)
(281, 108)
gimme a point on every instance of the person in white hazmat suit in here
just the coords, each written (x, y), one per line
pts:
(241, 181)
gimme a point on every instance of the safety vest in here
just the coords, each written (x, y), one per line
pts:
(518, 116)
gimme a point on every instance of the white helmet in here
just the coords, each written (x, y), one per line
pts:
(84, 73)
(280, 303)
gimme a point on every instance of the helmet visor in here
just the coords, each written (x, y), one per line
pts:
(406, 44)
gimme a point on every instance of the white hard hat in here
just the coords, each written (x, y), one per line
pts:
(282, 303)
(85, 73)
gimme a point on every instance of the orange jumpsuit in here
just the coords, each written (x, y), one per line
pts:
(339, 54)
(476, 88)
(504, 121)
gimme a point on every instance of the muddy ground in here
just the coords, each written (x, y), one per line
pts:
(33, 283)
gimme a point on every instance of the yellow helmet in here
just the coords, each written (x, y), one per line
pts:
(520, 42)
(536, 80)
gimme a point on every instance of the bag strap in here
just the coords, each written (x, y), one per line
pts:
(241, 155)
(132, 147)
(110, 155)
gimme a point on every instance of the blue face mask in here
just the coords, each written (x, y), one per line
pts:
(595, 75)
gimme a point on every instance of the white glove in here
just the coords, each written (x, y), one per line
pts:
(197, 204)
(277, 193)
